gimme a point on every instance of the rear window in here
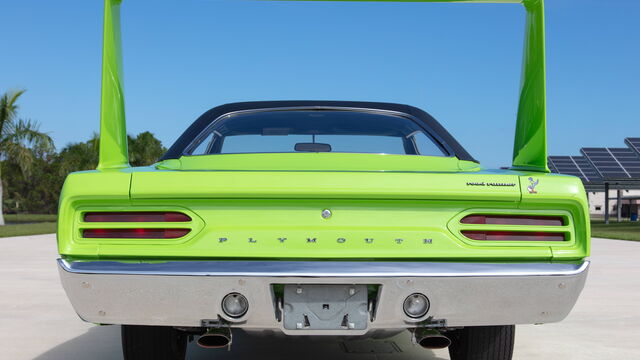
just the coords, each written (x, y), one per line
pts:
(287, 131)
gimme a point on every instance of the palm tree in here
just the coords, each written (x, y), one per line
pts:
(20, 140)
(144, 149)
(78, 156)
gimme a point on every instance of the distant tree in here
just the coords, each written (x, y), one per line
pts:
(78, 156)
(144, 149)
(37, 193)
(38, 190)
(20, 140)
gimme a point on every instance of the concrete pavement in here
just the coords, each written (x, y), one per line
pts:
(37, 321)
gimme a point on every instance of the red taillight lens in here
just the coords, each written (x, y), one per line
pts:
(513, 235)
(134, 233)
(136, 217)
(513, 220)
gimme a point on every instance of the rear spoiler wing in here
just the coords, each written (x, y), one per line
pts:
(530, 143)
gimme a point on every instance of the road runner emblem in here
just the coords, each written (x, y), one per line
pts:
(532, 186)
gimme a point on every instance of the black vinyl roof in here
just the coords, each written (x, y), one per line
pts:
(426, 120)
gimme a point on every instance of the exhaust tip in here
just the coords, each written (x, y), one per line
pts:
(435, 342)
(213, 341)
(430, 339)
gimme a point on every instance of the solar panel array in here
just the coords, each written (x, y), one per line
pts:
(574, 165)
(634, 144)
(591, 174)
(614, 163)
(618, 167)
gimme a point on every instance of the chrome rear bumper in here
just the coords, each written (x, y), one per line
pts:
(184, 293)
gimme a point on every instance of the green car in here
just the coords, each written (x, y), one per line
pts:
(316, 218)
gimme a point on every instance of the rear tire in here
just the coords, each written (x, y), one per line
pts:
(153, 343)
(482, 343)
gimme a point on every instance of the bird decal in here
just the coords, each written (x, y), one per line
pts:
(532, 186)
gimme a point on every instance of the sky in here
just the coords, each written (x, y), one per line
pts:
(459, 62)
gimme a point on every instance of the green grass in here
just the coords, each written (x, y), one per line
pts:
(30, 218)
(28, 224)
(623, 231)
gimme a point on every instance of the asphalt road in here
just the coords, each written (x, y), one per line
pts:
(37, 321)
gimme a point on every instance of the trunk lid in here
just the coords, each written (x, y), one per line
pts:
(323, 175)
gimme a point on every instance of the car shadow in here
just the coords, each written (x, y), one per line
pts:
(98, 343)
(103, 343)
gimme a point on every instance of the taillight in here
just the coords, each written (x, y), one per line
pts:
(513, 235)
(137, 233)
(172, 230)
(514, 220)
(524, 227)
(147, 216)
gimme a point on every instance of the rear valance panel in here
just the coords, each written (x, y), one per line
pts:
(297, 229)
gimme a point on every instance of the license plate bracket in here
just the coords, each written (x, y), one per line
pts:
(325, 307)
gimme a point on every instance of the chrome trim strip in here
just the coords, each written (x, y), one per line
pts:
(333, 269)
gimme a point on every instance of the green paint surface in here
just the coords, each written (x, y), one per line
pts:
(268, 206)
(113, 130)
(411, 212)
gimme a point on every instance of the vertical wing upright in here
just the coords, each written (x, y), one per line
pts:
(113, 131)
(530, 143)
